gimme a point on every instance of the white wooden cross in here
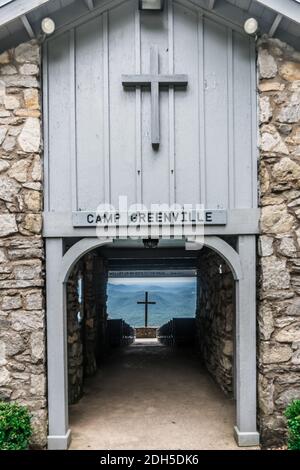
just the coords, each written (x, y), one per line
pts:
(154, 80)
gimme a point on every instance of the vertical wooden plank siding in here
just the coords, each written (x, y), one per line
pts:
(89, 114)
(59, 174)
(171, 169)
(138, 109)
(208, 130)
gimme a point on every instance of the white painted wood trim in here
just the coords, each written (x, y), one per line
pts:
(15, 9)
(239, 221)
(76, 252)
(222, 248)
(27, 26)
(287, 8)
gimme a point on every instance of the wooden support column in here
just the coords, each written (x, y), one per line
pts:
(59, 433)
(245, 430)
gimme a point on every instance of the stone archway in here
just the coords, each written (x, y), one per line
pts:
(242, 265)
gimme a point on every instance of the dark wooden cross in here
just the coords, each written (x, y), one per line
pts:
(146, 302)
(154, 80)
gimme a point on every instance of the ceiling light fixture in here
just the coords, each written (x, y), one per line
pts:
(153, 5)
(48, 26)
(150, 242)
(251, 26)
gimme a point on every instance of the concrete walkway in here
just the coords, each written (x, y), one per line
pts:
(152, 397)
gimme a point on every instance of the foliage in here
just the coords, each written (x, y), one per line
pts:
(15, 426)
(292, 413)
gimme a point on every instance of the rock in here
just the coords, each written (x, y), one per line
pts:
(3, 132)
(285, 129)
(3, 257)
(271, 141)
(14, 131)
(265, 320)
(34, 300)
(296, 358)
(8, 225)
(228, 348)
(293, 308)
(38, 385)
(265, 246)
(290, 112)
(32, 200)
(265, 395)
(272, 200)
(275, 274)
(275, 353)
(22, 81)
(286, 397)
(26, 321)
(276, 219)
(264, 178)
(33, 223)
(4, 377)
(27, 113)
(11, 302)
(11, 102)
(4, 113)
(287, 171)
(14, 343)
(288, 334)
(39, 424)
(34, 186)
(25, 270)
(3, 166)
(31, 98)
(265, 109)
(266, 64)
(8, 70)
(4, 58)
(9, 188)
(287, 247)
(29, 69)
(36, 173)
(270, 86)
(28, 52)
(19, 170)
(3, 360)
(38, 345)
(30, 137)
(294, 139)
(9, 144)
(290, 71)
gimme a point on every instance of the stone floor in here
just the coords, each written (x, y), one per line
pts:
(152, 397)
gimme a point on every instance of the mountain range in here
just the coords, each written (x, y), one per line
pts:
(173, 299)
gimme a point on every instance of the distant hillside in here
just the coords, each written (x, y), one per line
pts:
(174, 299)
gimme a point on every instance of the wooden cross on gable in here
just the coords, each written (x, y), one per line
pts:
(155, 81)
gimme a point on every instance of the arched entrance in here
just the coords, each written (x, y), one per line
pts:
(241, 261)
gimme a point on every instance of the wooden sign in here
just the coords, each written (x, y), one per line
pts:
(139, 218)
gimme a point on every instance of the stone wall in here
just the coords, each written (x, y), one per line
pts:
(87, 337)
(22, 315)
(279, 244)
(215, 318)
(75, 308)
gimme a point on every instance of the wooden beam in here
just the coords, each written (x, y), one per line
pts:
(90, 4)
(211, 4)
(14, 10)
(288, 8)
(275, 24)
(27, 26)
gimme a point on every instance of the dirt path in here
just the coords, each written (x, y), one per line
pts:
(151, 397)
